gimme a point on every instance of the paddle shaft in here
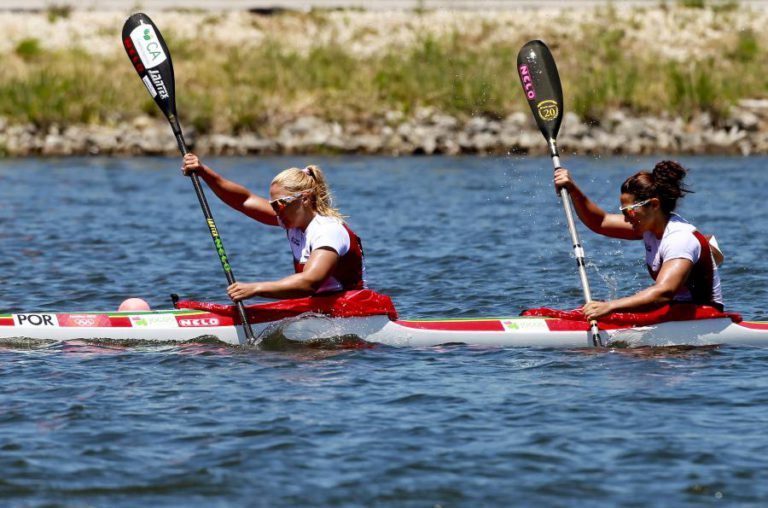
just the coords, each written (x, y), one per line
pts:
(578, 250)
(151, 59)
(217, 242)
(544, 92)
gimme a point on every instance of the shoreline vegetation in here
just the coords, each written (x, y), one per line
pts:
(677, 77)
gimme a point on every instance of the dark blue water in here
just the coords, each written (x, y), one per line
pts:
(209, 425)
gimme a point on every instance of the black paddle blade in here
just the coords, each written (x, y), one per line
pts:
(541, 84)
(150, 57)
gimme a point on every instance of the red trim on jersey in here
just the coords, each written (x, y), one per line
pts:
(701, 280)
(349, 269)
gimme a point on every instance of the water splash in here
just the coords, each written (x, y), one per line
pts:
(308, 330)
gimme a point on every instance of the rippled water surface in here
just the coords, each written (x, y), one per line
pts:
(208, 425)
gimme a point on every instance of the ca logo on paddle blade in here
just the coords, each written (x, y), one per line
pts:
(148, 46)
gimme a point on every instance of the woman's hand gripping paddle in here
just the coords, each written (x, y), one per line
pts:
(150, 57)
(541, 84)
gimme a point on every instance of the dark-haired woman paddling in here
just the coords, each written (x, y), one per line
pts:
(678, 256)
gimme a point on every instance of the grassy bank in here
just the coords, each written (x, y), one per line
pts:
(226, 87)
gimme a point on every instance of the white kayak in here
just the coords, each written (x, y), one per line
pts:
(211, 322)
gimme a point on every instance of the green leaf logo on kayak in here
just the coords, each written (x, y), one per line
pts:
(524, 325)
(153, 320)
(548, 110)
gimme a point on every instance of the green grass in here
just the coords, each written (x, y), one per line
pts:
(28, 49)
(64, 88)
(252, 88)
(693, 4)
(56, 12)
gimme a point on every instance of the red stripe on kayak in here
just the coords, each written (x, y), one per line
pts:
(120, 321)
(463, 326)
(567, 325)
(755, 325)
(83, 320)
(6, 321)
(570, 325)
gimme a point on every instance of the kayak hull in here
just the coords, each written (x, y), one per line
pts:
(187, 325)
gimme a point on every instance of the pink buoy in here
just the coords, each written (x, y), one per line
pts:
(133, 304)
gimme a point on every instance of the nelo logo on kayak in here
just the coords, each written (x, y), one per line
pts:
(186, 322)
(525, 78)
(548, 110)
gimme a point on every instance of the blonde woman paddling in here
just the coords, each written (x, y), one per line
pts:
(327, 254)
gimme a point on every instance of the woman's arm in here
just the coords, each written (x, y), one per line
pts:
(319, 267)
(671, 278)
(594, 217)
(233, 194)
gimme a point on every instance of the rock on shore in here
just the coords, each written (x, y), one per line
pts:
(428, 132)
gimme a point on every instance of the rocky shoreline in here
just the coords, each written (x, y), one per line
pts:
(428, 132)
(292, 125)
